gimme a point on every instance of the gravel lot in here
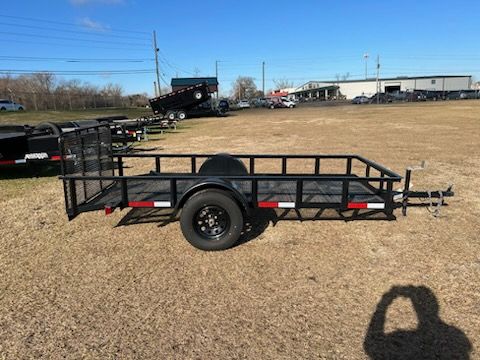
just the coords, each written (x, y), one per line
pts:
(315, 289)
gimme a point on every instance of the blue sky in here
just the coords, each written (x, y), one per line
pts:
(299, 41)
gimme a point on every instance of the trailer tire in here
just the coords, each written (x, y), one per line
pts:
(170, 115)
(49, 127)
(197, 95)
(181, 115)
(211, 220)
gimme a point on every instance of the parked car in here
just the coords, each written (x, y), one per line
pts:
(243, 104)
(8, 105)
(415, 96)
(288, 103)
(469, 94)
(454, 95)
(223, 105)
(398, 95)
(383, 98)
(432, 95)
(282, 102)
(360, 100)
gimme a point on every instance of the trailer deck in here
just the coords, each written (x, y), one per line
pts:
(145, 192)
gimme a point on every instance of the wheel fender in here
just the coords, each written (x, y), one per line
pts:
(213, 183)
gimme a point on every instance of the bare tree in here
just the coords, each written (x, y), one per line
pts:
(283, 83)
(345, 76)
(244, 88)
(44, 91)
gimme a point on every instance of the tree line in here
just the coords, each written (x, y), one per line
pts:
(46, 91)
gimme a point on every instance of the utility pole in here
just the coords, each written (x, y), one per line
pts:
(216, 75)
(155, 88)
(263, 78)
(365, 56)
(155, 49)
(378, 74)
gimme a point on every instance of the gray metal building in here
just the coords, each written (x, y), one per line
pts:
(368, 87)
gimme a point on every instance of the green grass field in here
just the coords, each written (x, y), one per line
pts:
(36, 117)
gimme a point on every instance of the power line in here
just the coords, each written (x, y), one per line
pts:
(70, 39)
(71, 60)
(79, 72)
(77, 45)
(70, 24)
(74, 31)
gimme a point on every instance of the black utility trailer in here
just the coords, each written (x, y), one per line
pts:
(177, 104)
(24, 144)
(217, 191)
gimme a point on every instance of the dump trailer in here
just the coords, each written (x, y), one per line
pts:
(175, 105)
(216, 192)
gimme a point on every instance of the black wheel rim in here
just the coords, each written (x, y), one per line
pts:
(211, 222)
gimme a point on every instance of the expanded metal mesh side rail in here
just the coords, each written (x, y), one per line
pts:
(86, 152)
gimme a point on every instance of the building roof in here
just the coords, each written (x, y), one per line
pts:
(388, 79)
(328, 87)
(193, 81)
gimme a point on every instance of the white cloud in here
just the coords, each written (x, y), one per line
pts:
(93, 25)
(93, 2)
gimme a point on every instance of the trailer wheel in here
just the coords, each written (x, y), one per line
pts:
(181, 115)
(49, 127)
(170, 115)
(197, 95)
(211, 220)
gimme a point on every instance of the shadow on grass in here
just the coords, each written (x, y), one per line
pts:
(31, 171)
(432, 339)
(255, 223)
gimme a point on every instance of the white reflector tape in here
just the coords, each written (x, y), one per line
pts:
(375, 206)
(288, 205)
(21, 161)
(165, 204)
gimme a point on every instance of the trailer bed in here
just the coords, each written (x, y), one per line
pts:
(326, 192)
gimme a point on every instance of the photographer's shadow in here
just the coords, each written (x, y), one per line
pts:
(433, 339)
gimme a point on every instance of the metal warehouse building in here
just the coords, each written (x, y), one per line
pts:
(325, 90)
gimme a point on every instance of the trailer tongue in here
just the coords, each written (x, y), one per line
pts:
(217, 191)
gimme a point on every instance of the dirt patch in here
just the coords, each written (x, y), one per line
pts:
(92, 289)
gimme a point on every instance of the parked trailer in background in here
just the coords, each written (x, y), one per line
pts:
(217, 191)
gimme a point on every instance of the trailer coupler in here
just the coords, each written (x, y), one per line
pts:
(433, 207)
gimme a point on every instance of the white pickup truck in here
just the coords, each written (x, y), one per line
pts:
(8, 105)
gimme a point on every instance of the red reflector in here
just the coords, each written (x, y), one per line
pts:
(108, 210)
(55, 157)
(357, 205)
(267, 204)
(7, 162)
(141, 204)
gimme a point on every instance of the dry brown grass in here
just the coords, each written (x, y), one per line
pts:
(88, 289)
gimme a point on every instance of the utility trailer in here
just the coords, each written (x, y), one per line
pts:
(216, 192)
(177, 104)
(25, 145)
